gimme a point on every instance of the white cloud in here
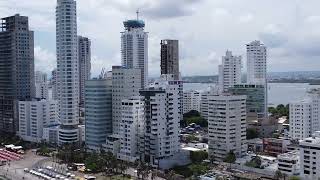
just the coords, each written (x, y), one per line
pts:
(204, 28)
(246, 18)
(45, 60)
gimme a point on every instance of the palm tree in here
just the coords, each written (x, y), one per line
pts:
(278, 175)
(123, 167)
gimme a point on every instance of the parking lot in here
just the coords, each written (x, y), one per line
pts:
(14, 169)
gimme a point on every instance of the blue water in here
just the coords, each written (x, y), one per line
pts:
(278, 93)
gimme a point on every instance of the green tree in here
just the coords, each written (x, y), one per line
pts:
(198, 156)
(197, 120)
(192, 113)
(193, 117)
(191, 138)
(255, 162)
(278, 175)
(294, 178)
(230, 158)
(252, 133)
(280, 110)
(44, 150)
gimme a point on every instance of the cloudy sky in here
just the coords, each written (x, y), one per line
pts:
(205, 28)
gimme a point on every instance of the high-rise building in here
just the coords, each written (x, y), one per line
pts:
(170, 58)
(204, 101)
(227, 126)
(126, 83)
(191, 101)
(41, 83)
(67, 70)
(256, 63)
(131, 129)
(309, 157)
(229, 71)
(34, 116)
(98, 112)
(134, 48)
(17, 69)
(304, 116)
(162, 120)
(53, 85)
(84, 64)
(256, 100)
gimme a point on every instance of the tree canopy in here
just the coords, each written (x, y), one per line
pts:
(280, 110)
(193, 117)
(198, 156)
(252, 133)
(230, 158)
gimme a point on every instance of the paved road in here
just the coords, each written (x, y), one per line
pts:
(14, 169)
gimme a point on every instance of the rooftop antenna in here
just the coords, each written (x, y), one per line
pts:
(137, 14)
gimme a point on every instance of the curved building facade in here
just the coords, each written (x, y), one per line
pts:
(67, 70)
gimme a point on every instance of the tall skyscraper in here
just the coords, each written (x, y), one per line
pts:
(17, 69)
(227, 126)
(170, 58)
(67, 70)
(98, 112)
(84, 64)
(256, 63)
(41, 83)
(126, 83)
(229, 71)
(134, 48)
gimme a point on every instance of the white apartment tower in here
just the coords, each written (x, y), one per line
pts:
(227, 125)
(304, 116)
(34, 116)
(256, 63)
(131, 128)
(134, 48)
(67, 70)
(84, 45)
(229, 71)
(162, 123)
(41, 83)
(126, 83)
(191, 101)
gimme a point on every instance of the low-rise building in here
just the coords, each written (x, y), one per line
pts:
(50, 134)
(310, 157)
(273, 146)
(289, 163)
(112, 144)
(34, 116)
(255, 145)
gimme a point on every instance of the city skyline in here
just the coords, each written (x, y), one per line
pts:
(290, 34)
